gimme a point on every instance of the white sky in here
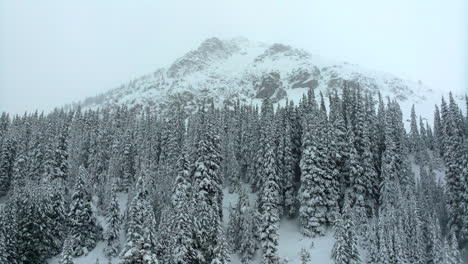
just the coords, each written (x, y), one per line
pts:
(56, 52)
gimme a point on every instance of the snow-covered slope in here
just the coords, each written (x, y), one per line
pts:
(291, 241)
(227, 70)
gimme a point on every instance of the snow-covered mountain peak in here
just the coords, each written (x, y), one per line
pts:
(229, 69)
(209, 51)
(277, 51)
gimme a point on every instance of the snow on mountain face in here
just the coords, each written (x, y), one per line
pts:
(227, 70)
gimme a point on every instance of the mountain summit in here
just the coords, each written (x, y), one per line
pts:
(228, 70)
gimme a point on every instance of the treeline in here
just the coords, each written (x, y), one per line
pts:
(346, 168)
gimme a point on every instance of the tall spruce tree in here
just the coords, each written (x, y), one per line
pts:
(141, 234)
(67, 253)
(345, 248)
(182, 246)
(414, 132)
(269, 222)
(312, 194)
(207, 187)
(84, 230)
(454, 157)
(269, 203)
(114, 222)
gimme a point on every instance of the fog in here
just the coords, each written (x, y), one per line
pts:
(56, 52)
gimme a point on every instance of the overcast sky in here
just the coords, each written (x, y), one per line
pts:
(56, 52)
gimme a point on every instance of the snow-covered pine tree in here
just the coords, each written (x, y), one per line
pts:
(61, 152)
(429, 137)
(269, 200)
(372, 242)
(464, 230)
(358, 121)
(453, 255)
(232, 229)
(422, 132)
(114, 222)
(345, 248)
(55, 213)
(207, 186)
(264, 141)
(7, 160)
(235, 222)
(128, 160)
(383, 241)
(180, 247)
(331, 171)
(305, 256)
(390, 187)
(231, 169)
(181, 229)
(248, 243)
(290, 188)
(141, 235)
(9, 231)
(33, 242)
(351, 236)
(7, 235)
(67, 252)
(338, 146)
(445, 257)
(206, 237)
(398, 252)
(435, 252)
(3, 249)
(84, 230)
(455, 160)
(371, 180)
(278, 142)
(357, 179)
(165, 236)
(405, 174)
(248, 146)
(414, 133)
(313, 208)
(339, 251)
(380, 130)
(54, 173)
(269, 222)
(438, 133)
(220, 252)
(214, 134)
(412, 228)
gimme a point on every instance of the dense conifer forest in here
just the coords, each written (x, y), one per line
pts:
(341, 163)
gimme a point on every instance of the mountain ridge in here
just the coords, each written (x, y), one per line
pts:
(239, 69)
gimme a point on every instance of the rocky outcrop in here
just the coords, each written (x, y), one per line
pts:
(276, 50)
(209, 51)
(267, 85)
(305, 78)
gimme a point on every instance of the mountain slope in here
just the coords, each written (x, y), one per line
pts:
(227, 70)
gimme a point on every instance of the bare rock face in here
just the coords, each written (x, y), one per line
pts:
(275, 50)
(280, 94)
(268, 85)
(210, 50)
(357, 81)
(305, 78)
